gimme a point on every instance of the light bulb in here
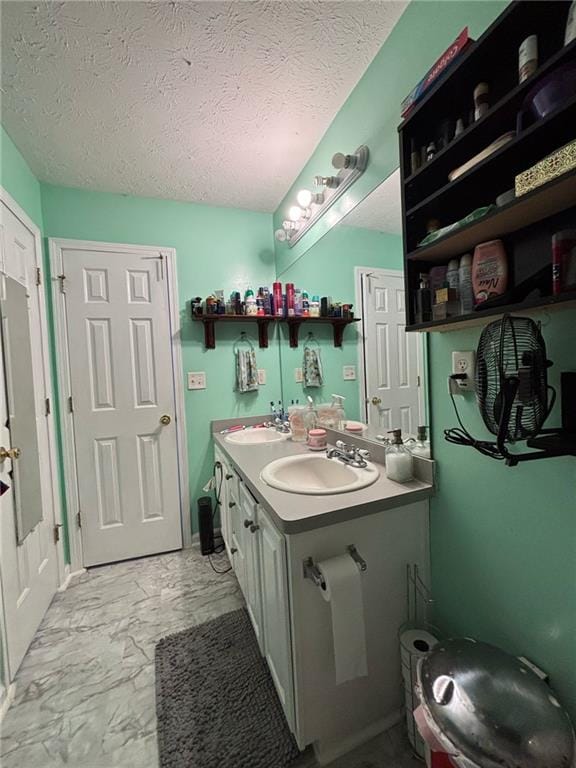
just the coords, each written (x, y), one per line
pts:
(281, 235)
(295, 213)
(304, 198)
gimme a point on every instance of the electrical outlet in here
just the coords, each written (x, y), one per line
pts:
(298, 375)
(196, 380)
(349, 372)
(464, 362)
(261, 376)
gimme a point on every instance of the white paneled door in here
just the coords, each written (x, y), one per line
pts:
(28, 549)
(121, 380)
(391, 359)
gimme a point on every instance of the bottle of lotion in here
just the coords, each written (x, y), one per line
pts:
(489, 271)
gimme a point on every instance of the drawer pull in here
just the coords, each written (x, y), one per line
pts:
(254, 528)
(248, 523)
(231, 504)
(233, 550)
(229, 476)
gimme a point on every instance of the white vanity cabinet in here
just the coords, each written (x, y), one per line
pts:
(293, 621)
(276, 613)
(226, 493)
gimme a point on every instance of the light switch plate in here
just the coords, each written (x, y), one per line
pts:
(261, 376)
(349, 372)
(196, 380)
(298, 375)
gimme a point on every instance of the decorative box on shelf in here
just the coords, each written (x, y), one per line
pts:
(556, 164)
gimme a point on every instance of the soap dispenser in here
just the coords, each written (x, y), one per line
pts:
(339, 413)
(310, 418)
(399, 462)
(421, 446)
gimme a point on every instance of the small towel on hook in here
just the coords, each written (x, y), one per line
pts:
(246, 370)
(312, 366)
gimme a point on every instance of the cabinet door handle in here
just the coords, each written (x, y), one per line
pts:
(254, 528)
(233, 550)
(231, 504)
(229, 476)
(248, 523)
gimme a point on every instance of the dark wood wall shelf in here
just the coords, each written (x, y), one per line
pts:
(338, 325)
(527, 223)
(263, 321)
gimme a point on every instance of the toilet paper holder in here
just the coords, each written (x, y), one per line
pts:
(311, 569)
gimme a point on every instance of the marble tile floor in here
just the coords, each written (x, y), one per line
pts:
(85, 690)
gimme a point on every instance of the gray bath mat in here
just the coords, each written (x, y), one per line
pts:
(215, 700)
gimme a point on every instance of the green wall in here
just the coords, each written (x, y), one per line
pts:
(503, 539)
(216, 248)
(327, 269)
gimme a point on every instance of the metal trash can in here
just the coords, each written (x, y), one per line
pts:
(485, 708)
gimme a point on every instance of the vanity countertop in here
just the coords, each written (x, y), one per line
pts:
(295, 512)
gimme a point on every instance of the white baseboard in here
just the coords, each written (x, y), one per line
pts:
(69, 577)
(327, 752)
(7, 699)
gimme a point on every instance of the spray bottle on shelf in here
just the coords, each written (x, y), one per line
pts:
(399, 462)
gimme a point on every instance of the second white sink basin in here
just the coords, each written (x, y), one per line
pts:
(317, 475)
(256, 436)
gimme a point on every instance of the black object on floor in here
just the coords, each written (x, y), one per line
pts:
(206, 522)
(215, 700)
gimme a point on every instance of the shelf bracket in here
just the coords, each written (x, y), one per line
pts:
(263, 333)
(293, 330)
(209, 335)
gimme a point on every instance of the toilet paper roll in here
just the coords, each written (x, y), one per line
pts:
(344, 593)
(416, 642)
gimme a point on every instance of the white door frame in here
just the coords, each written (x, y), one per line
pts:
(8, 200)
(56, 248)
(359, 273)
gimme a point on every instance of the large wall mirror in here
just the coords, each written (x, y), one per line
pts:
(379, 369)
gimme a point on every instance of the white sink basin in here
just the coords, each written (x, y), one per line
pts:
(255, 436)
(317, 475)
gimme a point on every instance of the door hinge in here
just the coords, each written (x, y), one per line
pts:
(38, 276)
(417, 381)
(47, 406)
(57, 532)
(61, 279)
(78, 519)
(70, 404)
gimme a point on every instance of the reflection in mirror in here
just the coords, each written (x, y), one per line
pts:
(18, 388)
(379, 368)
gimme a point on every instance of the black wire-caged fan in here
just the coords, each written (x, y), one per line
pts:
(514, 396)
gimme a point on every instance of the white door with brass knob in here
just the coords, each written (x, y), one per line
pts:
(391, 356)
(119, 346)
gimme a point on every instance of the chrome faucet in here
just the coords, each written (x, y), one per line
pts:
(278, 424)
(349, 454)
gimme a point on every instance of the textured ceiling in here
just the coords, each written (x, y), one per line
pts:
(381, 210)
(213, 102)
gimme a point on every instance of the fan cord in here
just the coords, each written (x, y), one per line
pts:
(461, 436)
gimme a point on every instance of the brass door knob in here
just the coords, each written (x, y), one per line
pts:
(165, 419)
(376, 401)
(9, 453)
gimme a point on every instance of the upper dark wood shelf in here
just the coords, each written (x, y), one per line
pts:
(487, 126)
(338, 324)
(551, 198)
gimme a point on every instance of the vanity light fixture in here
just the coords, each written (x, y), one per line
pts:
(306, 198)
(312, 205)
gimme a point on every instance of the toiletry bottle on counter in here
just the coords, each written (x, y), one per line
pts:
(338, 405)
(399, 462)
(465, 292)
(421, 446)
(310, 417)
